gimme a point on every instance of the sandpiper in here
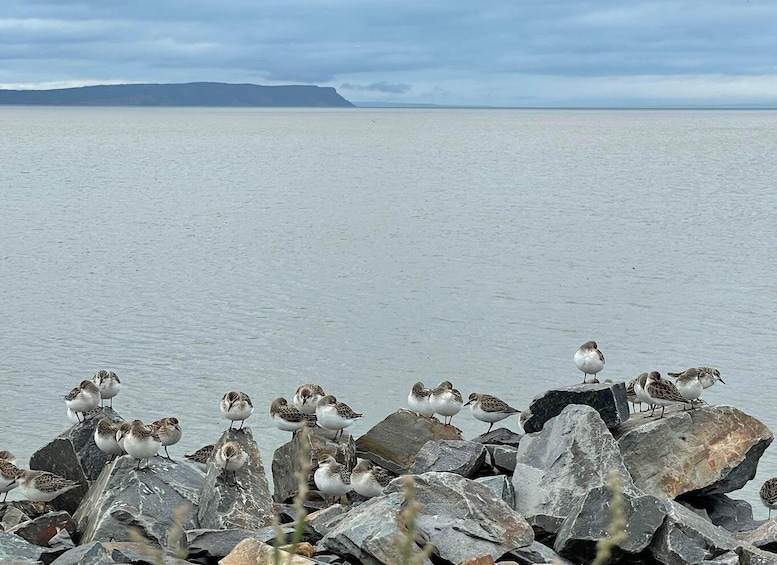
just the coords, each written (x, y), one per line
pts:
(141, 442)
(105, 436)
(335, 416)
(42, 486)
(369, 479)
(6, 455)
(202, 455)
(639, 390)
(108, 384)
(768, 494)
(121, 433)
(662, 392)
(236, 405)
(169, 431)
(446, 401)
(9, 473)
(83, 398)
(418, 400)
(285, 416)
(631, 395)
(689, 385)
(707, 375)
(589, 359)
(332, 478)
(488, 408)
(307, 397)
(230, 456)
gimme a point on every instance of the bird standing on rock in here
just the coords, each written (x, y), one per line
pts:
(169, 431)
(236, 405)
(335, 416)
(108, 384)
(83, 398)
(332, 478)
(487, 408)
(418, 400)
(589, 359)
(446, 401)
(230, 456)
(307, 398)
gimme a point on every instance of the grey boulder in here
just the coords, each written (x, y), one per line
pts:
(247, 503)
(394, 442)
(14, 549)
(452, 456)
(156, 502)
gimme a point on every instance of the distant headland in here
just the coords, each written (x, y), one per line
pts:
(188, 94)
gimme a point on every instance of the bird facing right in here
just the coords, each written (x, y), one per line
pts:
(42, 486)
(768, 494)
(488, 408)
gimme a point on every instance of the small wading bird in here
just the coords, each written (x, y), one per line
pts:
(589, 359)
(446, 401)
(236, 405)
(487, 408)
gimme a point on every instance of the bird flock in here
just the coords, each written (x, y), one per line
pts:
(312, 406)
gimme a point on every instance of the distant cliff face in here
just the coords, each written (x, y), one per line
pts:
(189, 94)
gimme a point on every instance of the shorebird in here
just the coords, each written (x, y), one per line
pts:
(108, 384)
(662, 392)
(105, 437)
(83, 398)
(689, 385)
(631, 395)
(332, 478)
(42, 486)
(9, 474)
(707, 375)
(335, 416)
(768, 494)
(202, 455)
(287, 417)
(232, 457)
(589, 359)
(236, 405)
(639, 389)
(369, 479)
(488, 408)
(6, 455)
(169, 432)
(307, 397)
(142, 442)
(121, 433)
(446, 401)
(418, 400)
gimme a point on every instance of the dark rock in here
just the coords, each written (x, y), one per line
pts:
(108, 553)
(712, 449)
(688, 538)
(500, 436)
(93, 553)
(74, 455)
(286, 459)
(728, 558)
(730, 514)
(215, 544)
(503, 457)
(764, 537)
(536, 553)
(40, 530)
(394, 442)
(158, 502)
(556, 467)
(14, 549)
(502, 486)
(246, 504)
(464, 458)
(587, 523)
(609, 400)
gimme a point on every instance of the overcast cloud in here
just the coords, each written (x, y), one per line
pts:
(499, 53)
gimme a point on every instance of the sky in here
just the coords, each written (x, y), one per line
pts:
(512, 53)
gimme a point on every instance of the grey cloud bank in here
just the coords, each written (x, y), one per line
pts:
(502, 53)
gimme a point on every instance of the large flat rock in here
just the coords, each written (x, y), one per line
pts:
(609, 400)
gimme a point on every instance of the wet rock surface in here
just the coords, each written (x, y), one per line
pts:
(244, 502)
(609, 400)
(394, 443)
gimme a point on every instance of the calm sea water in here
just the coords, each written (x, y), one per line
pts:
(198, 250)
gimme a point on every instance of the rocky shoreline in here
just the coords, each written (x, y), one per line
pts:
(543, 497)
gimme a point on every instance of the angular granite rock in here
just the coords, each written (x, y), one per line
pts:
(609, 400)
(502, 486)
(14, 549)
(712, 449)
(587, 523)
(40, 530)
(394, 442)
(558, 466)
(536, 553)
(254, 552)
(764, 537)
(502, 457)
(157, 502)
(462, 457)
(247, 504)
(500, 436)
(319, 442)
(108, 553)
(215, 544)
(74, 455)
(730, 514)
